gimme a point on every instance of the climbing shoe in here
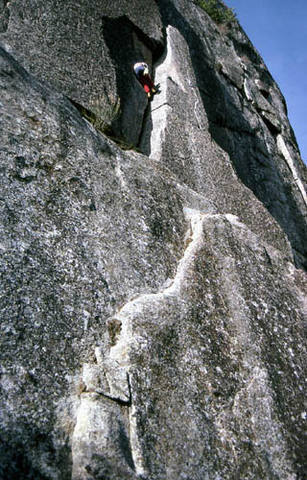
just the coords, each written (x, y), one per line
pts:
(156, 89)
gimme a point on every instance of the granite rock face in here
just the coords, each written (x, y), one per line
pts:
(245, 113)
(86, 50)
(152, 300)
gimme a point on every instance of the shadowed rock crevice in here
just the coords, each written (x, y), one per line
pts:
(126, 48)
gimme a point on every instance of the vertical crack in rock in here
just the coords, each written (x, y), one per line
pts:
(107, 390)
(128, 342)
(173, 83)
(285, 153)
(152, 137)
(126, 49)
(155, 58)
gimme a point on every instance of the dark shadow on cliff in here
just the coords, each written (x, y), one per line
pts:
(127, 45)
(228, 127)
(16, 464)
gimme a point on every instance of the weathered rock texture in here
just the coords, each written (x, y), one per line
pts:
(152, 304)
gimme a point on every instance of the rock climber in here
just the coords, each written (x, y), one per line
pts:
(141, 71)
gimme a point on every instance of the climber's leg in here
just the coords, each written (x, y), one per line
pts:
(149, 82)
(147, 90)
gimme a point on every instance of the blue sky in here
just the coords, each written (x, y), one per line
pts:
(278, 30)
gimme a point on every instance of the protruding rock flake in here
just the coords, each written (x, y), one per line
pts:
(153, 291)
